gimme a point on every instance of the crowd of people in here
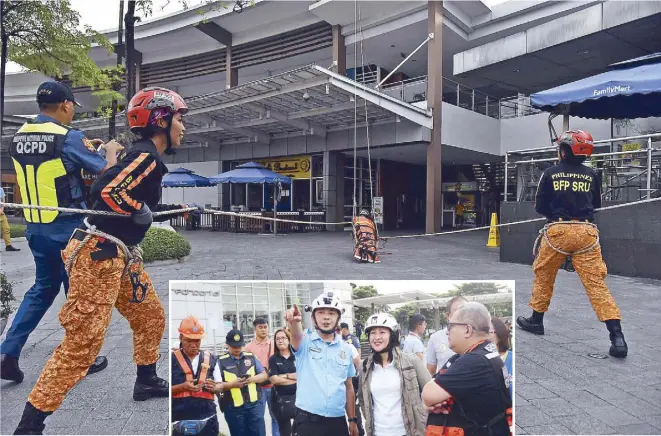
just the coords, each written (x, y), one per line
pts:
(314, 382)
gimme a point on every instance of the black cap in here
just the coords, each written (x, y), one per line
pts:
(55, 92)
(234, 338)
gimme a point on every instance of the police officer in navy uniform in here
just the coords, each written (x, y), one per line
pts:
(568, 194)
(242, 373)
(49, 156)
(195, 380)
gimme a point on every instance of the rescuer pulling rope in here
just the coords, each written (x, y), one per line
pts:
(102, 253)
(567, 195)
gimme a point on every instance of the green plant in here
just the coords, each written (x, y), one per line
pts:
(17, 230)
(163, 244)
(6, 297)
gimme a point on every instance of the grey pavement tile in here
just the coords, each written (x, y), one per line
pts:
(558, 385)
(551, 429)
(519, 401)
(605, 391)
(584, 400)
(652, 396)
(637, 429)
(61, 430)
(585, 424)
(532, 416)
(653, 420)
(639, 408)
(102, 426)
(533, 391)
(552, 406)
(518, 430)
(612, 416)
(143, 423)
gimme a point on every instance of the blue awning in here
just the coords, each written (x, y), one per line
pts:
(250, 172)
(184, 178)
(631, 89)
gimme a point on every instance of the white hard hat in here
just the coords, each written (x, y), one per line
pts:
(382, 320)
(327, 300)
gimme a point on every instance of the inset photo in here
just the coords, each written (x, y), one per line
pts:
(335, 358)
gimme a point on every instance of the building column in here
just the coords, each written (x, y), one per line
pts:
(333, 188)
(434, 101)
(231, 74)
(339, 51)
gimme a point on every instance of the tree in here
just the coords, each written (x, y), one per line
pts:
(476, 288)
(44, 36)
(358, 292)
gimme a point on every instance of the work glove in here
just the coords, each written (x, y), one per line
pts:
(143, 217)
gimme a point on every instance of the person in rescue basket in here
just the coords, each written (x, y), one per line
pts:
(470, 395)
(105, 264)
(195, 379)
(391, 382)
(282, 369)
(366, 237)
(49, 174)
(242, 373)
(324, 392)
(568, 194)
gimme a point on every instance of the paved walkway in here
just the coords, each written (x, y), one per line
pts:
(559, 388)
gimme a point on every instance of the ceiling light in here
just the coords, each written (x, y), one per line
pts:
(583, 52)
(515, 70)
(392, 45)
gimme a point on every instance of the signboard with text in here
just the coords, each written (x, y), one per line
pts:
(377, 209)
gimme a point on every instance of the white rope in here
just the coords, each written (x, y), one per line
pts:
(367, 125)
(258, 217)
(602, 209)
(355, 107)
(89, 211)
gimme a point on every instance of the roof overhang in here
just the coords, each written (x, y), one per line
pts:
(425, 300)
(306, 101)
(565, 49)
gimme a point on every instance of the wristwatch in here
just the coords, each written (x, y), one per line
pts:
(353, 420)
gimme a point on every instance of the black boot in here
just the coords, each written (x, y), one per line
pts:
(618, 344)
(149, 385)
(9, 369)
(534, 324)
(32, 421)
(12, 248)
(100, 363)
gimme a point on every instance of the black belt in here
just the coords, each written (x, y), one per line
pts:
(564, 220)
(311, 417)
(107, 249)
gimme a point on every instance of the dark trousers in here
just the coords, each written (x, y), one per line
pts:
(309, 424)
(246, 420)
(285, 427)
(46, 242)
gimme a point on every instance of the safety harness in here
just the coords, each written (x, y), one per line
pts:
(543, 233)
(132, 253)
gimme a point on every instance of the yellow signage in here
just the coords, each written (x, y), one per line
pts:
(296, 167)
(631, 146)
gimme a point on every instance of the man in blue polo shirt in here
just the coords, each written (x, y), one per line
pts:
(324, 368)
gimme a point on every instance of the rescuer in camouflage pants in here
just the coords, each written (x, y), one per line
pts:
(568, 195)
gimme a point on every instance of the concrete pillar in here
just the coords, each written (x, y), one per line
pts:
(339, 51)
(333, 188)
(434, 101)
(231, 74)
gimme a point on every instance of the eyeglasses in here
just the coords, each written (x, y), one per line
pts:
(452, 324)
(280, 339)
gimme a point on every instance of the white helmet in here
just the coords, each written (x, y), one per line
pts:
(326, 300)
(382, 320)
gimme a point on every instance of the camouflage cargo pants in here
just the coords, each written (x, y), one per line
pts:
(589, 265)
(95, 287)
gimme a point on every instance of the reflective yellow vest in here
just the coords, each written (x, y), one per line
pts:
(231, 369)
(36, 150)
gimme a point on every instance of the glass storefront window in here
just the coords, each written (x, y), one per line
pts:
(238, 194)
(318, 166)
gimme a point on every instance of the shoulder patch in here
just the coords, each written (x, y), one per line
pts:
(224, 356)
(88, 145)
(248, 353)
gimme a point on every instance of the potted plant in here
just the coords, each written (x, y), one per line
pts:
(6, 297)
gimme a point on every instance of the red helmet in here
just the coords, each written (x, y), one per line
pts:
(579, 141)
(144, 102)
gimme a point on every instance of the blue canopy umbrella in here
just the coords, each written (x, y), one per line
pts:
(250, 172)
(184, 178)
(631, 89)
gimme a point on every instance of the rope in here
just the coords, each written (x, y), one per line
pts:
(367, 125)
(257, 217)
(533, 220)
(355, 106)
(543, 232)
(88, 211)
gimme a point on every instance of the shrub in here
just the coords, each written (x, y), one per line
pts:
(6, 297)
(17, 230)
(162, 244)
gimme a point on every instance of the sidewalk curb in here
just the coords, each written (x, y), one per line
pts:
(166, 262)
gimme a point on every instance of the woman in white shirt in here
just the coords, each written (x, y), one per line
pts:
(391, 383)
